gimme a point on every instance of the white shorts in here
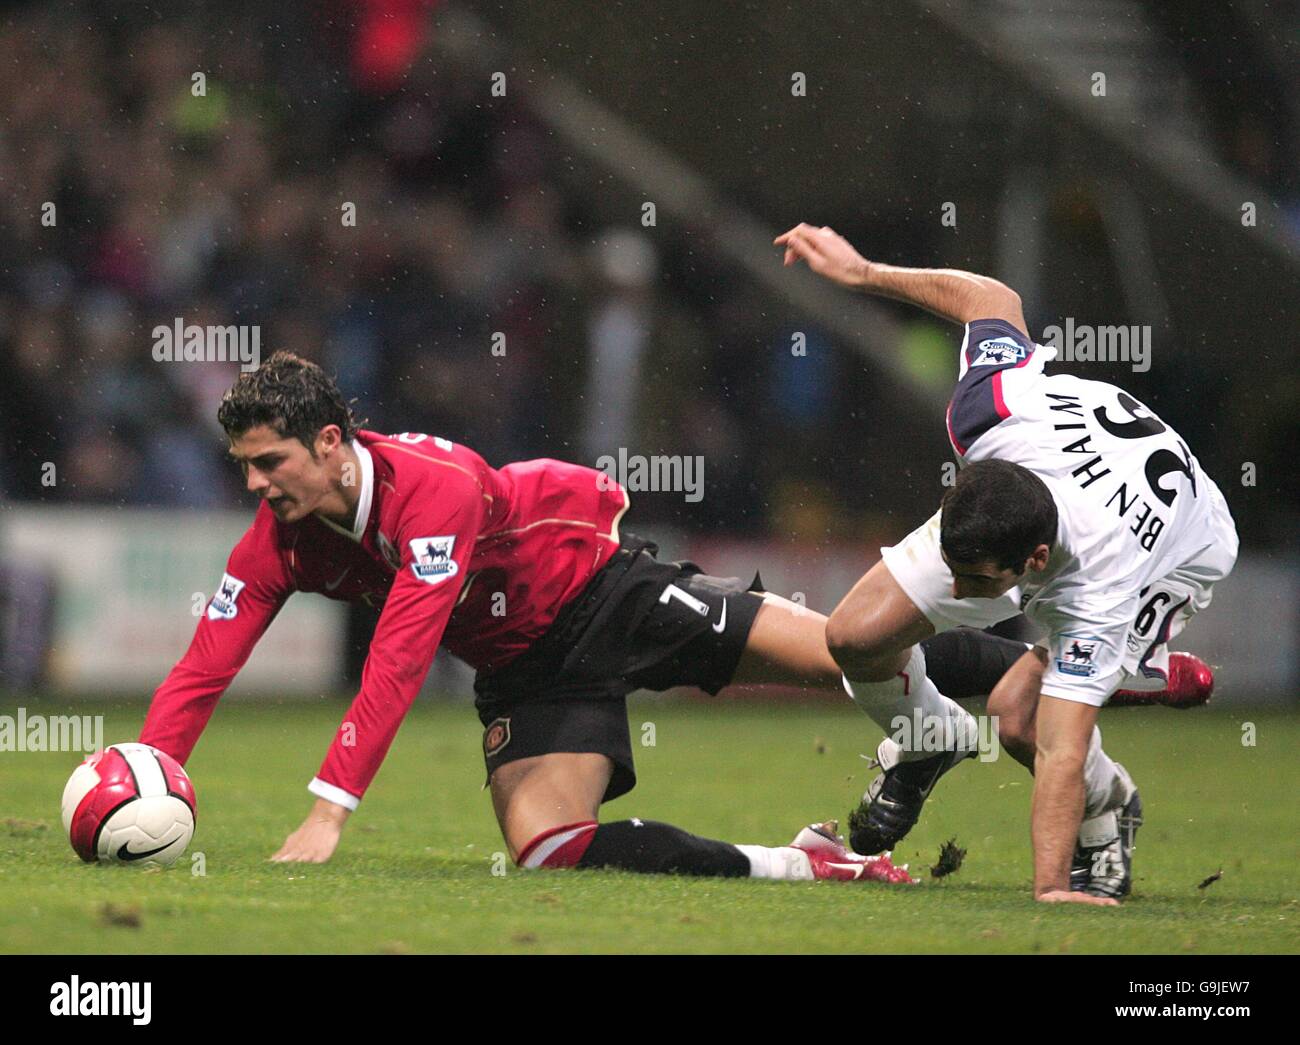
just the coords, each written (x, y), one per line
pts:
(1163, 609)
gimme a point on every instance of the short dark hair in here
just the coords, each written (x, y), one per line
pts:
(289, 394)
(996, 512)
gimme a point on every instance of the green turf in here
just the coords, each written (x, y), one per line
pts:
(414, 872)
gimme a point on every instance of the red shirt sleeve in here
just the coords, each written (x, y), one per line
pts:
(252, 590)
(435, 537)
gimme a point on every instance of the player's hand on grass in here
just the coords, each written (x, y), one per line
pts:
(1065, 896)
(827, 253)
(315, 841)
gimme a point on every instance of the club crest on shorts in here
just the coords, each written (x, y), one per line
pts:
(222, 606)
(496, 736)
(431, 558)
(1078, 655)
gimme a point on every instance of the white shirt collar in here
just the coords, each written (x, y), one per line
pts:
(364, 500)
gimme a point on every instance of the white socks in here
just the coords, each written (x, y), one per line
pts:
(1099, 830)
(1107, 787)
(777, 862)
(893, 705)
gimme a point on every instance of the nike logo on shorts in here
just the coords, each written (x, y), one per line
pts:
(722, 620)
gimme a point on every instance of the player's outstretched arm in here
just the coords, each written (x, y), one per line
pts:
(951, 293)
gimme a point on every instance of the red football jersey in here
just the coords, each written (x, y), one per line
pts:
(456, 552)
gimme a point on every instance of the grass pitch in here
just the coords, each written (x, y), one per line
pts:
(414, 872)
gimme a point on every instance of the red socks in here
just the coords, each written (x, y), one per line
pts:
(559, 847)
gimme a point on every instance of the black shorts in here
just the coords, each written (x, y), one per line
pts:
(638, 624)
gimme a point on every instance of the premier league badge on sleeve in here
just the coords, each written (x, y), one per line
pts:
(222, 606)
(998, 351)
(432, 561)
(1078, 655)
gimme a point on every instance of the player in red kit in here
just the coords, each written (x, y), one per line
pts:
(523, 573)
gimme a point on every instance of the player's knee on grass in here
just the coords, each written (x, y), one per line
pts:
(561, 846)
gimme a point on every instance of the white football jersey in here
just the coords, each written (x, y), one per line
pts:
(1133, 502)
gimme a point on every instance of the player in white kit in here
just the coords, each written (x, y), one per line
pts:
(1075, 505)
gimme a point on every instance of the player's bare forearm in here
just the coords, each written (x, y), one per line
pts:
(950, 293)
(1064, 728)
(315, 841)
(1058, 811)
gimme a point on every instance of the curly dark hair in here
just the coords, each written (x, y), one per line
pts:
(289, 394)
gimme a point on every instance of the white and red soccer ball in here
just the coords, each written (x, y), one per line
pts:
(129, 803)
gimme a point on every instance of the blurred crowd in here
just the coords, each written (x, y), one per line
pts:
(491, 289)
(478, 294)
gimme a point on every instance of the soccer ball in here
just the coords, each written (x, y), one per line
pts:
(129, 803)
